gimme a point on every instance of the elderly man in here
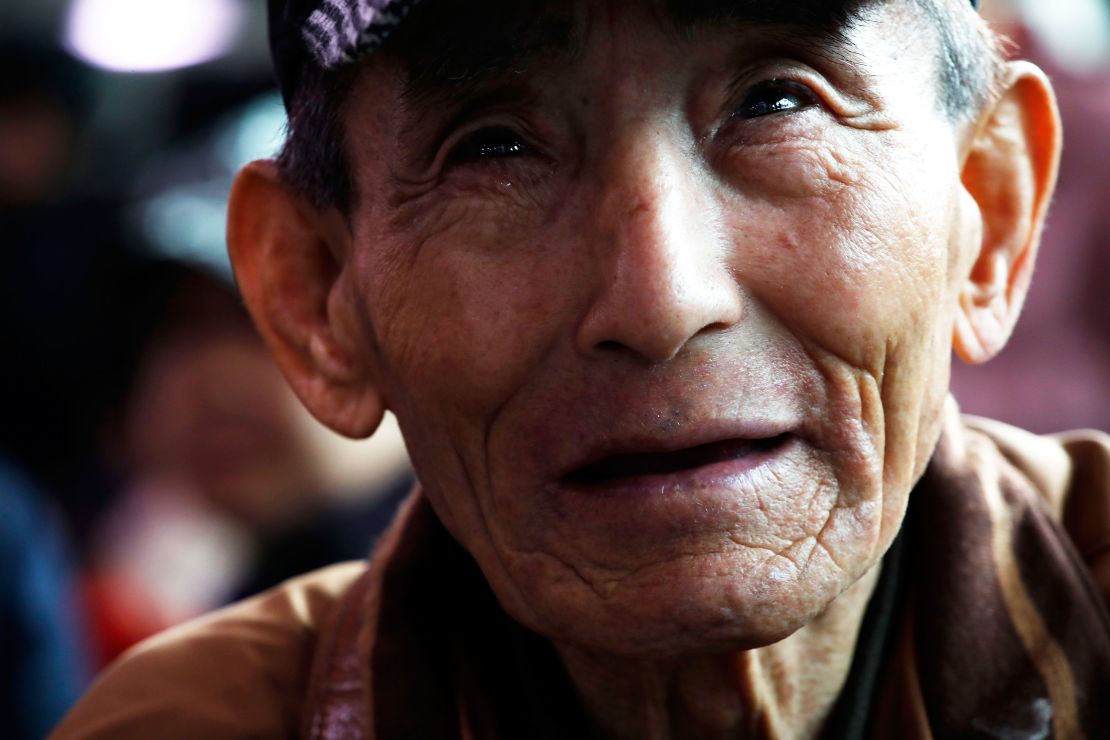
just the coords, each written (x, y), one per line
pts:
(663, 295)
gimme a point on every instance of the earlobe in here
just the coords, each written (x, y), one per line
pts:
(1009, 172)
(986, 314)
(288, 269)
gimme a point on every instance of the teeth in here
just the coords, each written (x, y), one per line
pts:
(627, 466)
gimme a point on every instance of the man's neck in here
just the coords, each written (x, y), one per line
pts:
(786, 689)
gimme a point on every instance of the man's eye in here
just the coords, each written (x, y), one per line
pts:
(775, 96)
(490, 143)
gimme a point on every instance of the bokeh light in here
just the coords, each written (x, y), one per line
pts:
(151, 35)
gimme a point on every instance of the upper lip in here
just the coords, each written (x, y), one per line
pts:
(688, 438)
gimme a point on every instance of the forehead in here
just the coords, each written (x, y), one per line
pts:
(443, 44)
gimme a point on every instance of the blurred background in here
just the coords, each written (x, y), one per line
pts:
(153, 465)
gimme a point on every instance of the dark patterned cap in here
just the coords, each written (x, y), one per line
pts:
(327, 34)
(332, 33)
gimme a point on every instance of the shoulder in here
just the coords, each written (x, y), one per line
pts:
(239, 672)
(1071, 472)
(1059, 465)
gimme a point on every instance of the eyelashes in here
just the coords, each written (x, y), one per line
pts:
(489, 143)
(773, 97)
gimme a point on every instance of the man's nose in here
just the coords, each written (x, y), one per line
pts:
(662, 255)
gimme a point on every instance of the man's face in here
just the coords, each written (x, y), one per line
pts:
(666, 317)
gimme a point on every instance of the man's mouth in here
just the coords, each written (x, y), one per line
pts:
(625, 466)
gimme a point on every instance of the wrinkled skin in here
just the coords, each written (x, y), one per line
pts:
(658, 272)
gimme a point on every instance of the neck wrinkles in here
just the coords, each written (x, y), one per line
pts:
(786, 689)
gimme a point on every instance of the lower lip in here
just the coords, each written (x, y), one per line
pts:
(747, 472)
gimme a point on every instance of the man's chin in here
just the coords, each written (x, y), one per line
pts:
(666, 621)
(665, 641)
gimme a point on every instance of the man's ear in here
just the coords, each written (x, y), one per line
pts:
(1010, 172)
(286, 256)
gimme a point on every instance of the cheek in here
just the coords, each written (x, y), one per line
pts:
(854, 258)
(792, 168)
(848, 252)
(459, 317)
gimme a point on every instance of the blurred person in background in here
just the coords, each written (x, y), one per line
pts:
(221, 492)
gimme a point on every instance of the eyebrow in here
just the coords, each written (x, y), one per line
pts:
(450, 50)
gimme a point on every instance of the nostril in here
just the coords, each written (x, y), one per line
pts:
(610, 345)
(714, 327)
